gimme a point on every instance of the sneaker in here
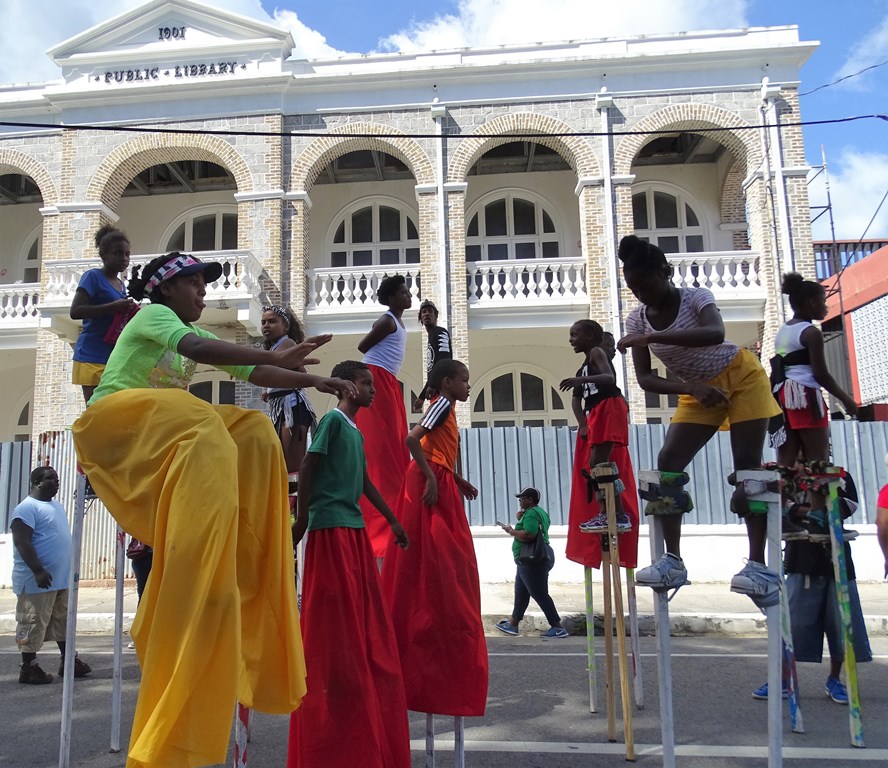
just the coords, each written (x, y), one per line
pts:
(668, 572)
(836, 691)
(792, 531)
(554, 632)
(131, 645)
(81, 668)
(762, 693)
(849, 535)
(598, 524)
(506, 626)
(32, 674)
(755, 580)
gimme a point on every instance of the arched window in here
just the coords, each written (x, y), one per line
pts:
(668, 218)
(209, 228)
(518, 397)
(216, 388)
(514, 225)
(380, 232)
(20, 421)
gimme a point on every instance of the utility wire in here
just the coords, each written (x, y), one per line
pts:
(340, 135)
(846, 77)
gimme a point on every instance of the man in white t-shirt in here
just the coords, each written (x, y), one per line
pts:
(41, 569)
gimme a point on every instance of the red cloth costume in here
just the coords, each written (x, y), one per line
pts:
(608, 421)
(384, 427)
(353, 715)
(432, 587)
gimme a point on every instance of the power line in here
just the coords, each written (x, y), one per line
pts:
(341, 135)
(846, 77)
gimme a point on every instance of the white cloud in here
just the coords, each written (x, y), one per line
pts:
(856, 184)
(480, 23)
(29, 27)
(872, 49)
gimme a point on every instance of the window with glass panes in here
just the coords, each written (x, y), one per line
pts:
(377, 233)
(518, 398)
(205, 229)
(32, 261)
(658, 409)
(667, 219)
(213, 389)
(512, 226)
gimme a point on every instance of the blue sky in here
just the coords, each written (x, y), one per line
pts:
(849, 41)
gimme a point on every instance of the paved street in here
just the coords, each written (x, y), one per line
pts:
(537, 711)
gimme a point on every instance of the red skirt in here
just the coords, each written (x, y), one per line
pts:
(812, 415)
(434, 597)
(608, 425)
(354, 714)
(384, 427)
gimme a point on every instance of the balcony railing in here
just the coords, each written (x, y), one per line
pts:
(526, 281)
(18, 305)
(725, 273)
(353, 289)
(830, 257)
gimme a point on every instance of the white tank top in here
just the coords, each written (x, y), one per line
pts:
(789, 339)
(389, 353)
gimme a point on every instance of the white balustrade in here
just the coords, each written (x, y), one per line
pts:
(526, 281)
(353, 289)
(18, 305)
(722, 272)
(240, 278)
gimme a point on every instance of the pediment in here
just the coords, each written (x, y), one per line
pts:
(159, 29)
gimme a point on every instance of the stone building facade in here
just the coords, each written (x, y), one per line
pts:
(499, 181)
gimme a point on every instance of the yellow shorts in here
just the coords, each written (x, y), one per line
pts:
(748, 389)
(87, 374)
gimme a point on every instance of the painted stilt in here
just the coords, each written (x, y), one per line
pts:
(664, 640)
(459, 742)
(637, 682)
(430, 741)
(119, 566)
(241, 735)
(610, 693)
(840, 569)
(590, 642)
(71, 632)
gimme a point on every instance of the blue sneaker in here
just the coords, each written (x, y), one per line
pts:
(554, 633)
(762, 693)
(506, 626)
(836, 691)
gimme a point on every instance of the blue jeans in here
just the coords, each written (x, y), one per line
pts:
(532, 581)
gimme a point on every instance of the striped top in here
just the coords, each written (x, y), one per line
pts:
(688, 363)
(442, 441)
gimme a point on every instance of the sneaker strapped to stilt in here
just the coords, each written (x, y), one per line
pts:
(668, 572)
(755, 580)
(507, 626)
(792, 531)
(598, 524)
(836, 690)
(762, 693)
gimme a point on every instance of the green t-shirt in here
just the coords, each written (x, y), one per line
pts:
(534, 520)
(145, 355)
(338, 480)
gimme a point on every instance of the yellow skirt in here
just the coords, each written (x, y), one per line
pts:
(206, 486)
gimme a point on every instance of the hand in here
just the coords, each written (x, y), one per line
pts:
(418, 404)
(519, 514)
(400, 535)
(850, 407)
(568, 384)
(467, 489)
(709, 397)
(431, 492)
(43, 578)
(339, 387)
(583, 431)
(264, 396)
(508, 529)
(633, 340)
(124, 305)
(295, 356)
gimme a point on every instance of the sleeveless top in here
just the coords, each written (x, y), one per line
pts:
(389, 352)
(593, 394)
(789, 339)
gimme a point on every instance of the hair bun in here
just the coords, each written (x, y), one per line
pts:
(629, 245)
(792, 282)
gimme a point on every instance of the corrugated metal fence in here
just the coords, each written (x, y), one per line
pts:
(499, 461)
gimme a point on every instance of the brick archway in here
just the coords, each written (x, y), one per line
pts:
(124, 163)
(574, 149)
(324, 149)
(741, 143)
(14, 161)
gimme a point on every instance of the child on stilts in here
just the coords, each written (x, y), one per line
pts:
(205, 486)
(384, 425)
(717, 382)
(432, 588)
(354, 714)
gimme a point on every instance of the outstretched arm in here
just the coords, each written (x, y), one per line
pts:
(650, 381)
(709, 331)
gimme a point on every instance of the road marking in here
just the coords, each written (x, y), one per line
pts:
(840, 755)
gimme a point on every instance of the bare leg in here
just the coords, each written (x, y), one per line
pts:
(882, 533)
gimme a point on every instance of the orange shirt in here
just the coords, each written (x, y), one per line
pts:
(441, 443)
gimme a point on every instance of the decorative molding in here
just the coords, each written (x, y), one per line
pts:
(86, 207)
(425, 189)
(271, 194)
(733, 226)
(48, 211)
(299, 195)
(456, 186)
(628, 179)
(588, 181)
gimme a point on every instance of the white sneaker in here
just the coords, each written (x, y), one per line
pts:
(668, 572)
(755, 580)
